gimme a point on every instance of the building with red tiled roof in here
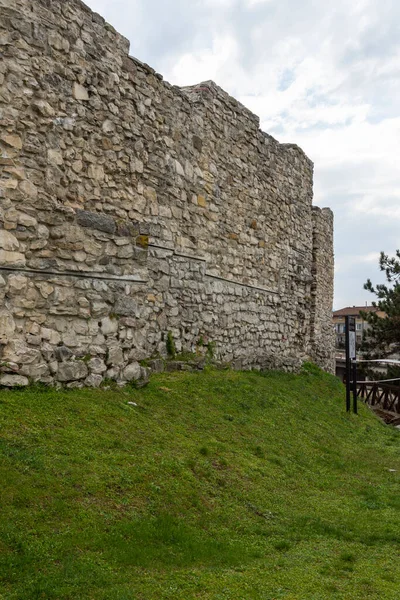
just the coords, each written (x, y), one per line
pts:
(338, 317)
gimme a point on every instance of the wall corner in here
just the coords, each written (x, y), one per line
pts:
(322, 336)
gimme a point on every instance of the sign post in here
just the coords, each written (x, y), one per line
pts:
(355, 386)
(351, 356)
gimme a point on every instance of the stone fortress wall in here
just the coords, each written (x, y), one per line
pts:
(130, 208)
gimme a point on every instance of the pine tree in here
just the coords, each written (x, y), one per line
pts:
(382, 339)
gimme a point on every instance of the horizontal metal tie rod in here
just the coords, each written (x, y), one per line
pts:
(380, 381)
(78, 274)
(383, 361)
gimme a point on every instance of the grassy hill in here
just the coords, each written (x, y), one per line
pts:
(216, 485)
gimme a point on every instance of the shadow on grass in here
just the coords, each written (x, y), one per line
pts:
(167, 541)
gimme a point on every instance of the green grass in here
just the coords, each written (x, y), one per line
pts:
(216, 485)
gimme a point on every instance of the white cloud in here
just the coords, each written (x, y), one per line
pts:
(218, 3)
(347, 262)
(193, 68)
(251, 3)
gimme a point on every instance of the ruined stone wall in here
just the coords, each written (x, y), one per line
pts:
(130, 208)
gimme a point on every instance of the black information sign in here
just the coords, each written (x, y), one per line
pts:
(351, 364)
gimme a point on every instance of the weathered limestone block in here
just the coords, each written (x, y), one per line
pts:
(94, 380)
(133, 372)
(21, 218)
(8, 241)
(54, 156)
(17, 351)
(12, 139)
(126, 307)
(113, 373)
(16, 284)
(9, 367)
(43, 108)
(12, 381)
(144, 377)
(8, 184)
(156, 366)
(109, 326)
(7, 326)
(100, 309)
(12, 259)
(72, 371)
(35, 372)
(62, 353)
(58, 42)
(115, 356)
(176, 365)
(80, 92)
(53, 366)
(46, 289)
(108, 126)
(97, 366)
(29, 189)
(96, 172)
(96, 221)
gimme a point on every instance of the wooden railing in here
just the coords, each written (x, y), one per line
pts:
(380, 395)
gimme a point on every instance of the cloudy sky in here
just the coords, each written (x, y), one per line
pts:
(324, 74)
